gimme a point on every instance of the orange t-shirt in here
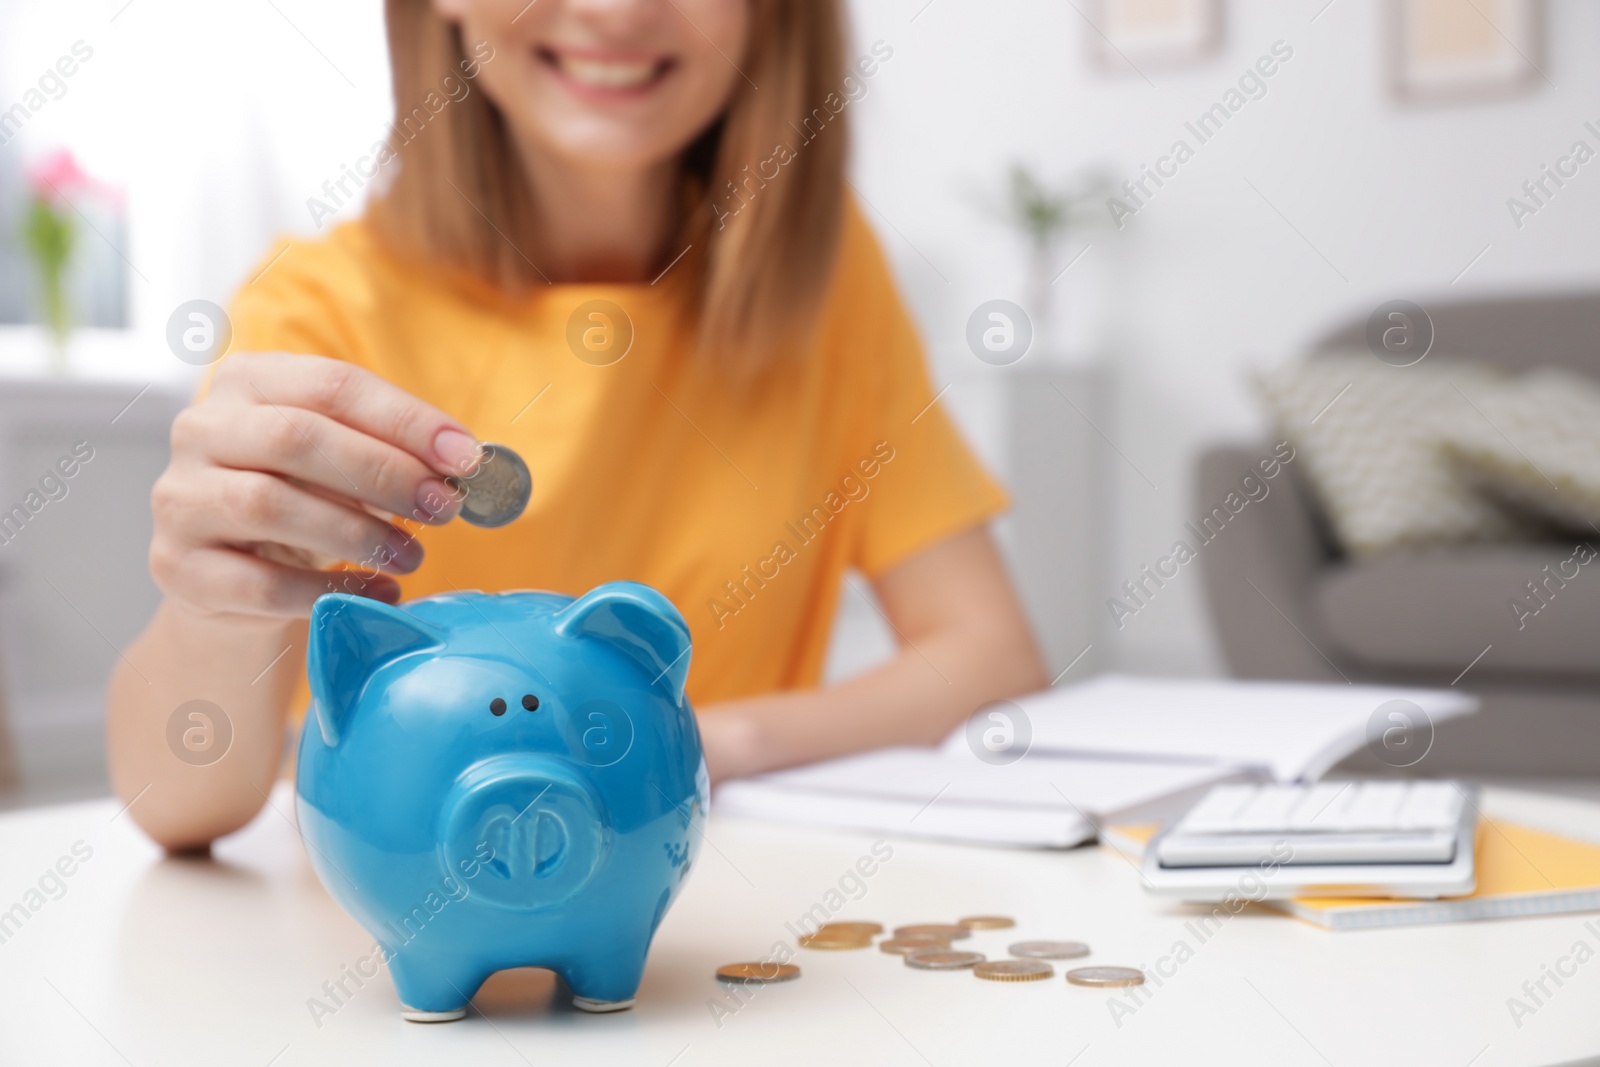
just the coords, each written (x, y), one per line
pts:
(744, 505)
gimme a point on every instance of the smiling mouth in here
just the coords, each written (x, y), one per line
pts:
(607, 75)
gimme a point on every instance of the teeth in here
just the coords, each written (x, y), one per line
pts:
(608, 75)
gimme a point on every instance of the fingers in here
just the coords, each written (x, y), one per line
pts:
(284, 458)
(230, 507)
(353, 396)
(236, 582)
(317, 450)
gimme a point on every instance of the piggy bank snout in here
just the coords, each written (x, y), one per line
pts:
(523, 832)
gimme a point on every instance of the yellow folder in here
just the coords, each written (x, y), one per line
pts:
(1520, 871)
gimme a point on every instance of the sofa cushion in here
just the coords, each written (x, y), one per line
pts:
(1369, 436)
(1538, 606)
(1544, 456)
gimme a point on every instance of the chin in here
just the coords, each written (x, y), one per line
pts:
(605, 144)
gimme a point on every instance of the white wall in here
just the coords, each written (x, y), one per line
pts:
(218, 120)
(221, 119)
(1208, 281)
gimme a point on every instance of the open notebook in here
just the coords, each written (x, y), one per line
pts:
(1288, 731)
(1040, 801)
(1113, 748)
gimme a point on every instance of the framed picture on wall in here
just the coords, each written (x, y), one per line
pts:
(1154, 33)
(1444, 51)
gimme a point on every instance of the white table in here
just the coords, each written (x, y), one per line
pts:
(146, 961)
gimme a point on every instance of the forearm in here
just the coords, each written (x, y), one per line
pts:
(918, 697)
(184, 656)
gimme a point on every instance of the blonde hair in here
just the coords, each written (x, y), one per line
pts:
(763, 245)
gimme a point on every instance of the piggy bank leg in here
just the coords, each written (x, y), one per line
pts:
(434, 989)
(606, 982)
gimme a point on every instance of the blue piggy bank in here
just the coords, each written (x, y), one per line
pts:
(507, 780)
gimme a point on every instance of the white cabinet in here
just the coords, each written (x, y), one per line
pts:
(74, 587)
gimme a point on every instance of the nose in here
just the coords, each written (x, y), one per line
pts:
(523, 832)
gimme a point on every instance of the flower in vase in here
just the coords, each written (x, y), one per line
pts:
(49, 235)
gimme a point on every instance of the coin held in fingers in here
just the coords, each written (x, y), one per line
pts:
(1013, 970)
(942, 959)
(1105, 977)
(498, 491)
(758, 972)
(1049, 950)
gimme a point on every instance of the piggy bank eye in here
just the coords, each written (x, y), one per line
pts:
(497, 706)
(530, 702)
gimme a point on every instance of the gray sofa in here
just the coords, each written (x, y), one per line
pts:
(1286, 604)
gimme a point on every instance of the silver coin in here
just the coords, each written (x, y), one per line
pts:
(899, 946)
(1049, 950)
(941, 959)
(498, 491)
(1106, 976)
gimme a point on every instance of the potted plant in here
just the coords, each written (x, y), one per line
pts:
(1048, 217)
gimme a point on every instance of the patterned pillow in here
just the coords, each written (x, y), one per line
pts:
(1542, 455)
(1368, 441)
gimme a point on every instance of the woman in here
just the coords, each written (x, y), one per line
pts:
(612, 235)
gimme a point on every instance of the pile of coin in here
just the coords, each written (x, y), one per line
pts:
(927, 947)
(841, 936)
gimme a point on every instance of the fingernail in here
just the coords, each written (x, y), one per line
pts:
(458, 450)
(436, 501)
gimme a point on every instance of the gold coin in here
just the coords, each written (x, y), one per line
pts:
(1105, 977)
(987, 922)
(828, 941)
(948, 931)
(942, 959)
(852, 929)
(767, 971)
(1014, 970)
(899, 946)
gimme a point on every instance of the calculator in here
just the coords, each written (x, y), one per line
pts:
(1411, 839)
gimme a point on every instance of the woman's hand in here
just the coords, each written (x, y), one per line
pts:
(290, 463)
(963, 642)
(283, 467)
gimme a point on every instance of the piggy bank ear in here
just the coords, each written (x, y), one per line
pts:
(638, 621)
(351, 637)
